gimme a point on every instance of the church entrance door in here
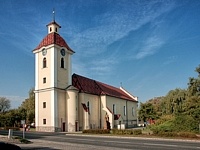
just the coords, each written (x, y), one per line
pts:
(63, 126)
(76, 126)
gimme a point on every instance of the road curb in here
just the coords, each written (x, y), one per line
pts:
(139, 138)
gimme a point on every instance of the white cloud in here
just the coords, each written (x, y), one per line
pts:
(115, 24)
(151, 45)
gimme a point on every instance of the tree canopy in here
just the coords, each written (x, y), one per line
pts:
(4, 104)
(28, 106)
(146, 112)
(12, 117)
(178, 103)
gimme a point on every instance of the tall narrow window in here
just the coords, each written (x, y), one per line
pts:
(62, 63)
(50, 29)
(114, 109)
(44, 62)
(124, 110)
(133, 111)
(44, 121)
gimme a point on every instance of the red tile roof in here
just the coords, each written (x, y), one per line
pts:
(91, 86)
(53, 38)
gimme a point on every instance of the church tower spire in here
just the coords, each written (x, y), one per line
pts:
(53, 26)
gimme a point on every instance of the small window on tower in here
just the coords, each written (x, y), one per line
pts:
(44, 80)
(56, 30)
(50, 29)
(62, 63)
(44, 121)
(44, 63)
(44, 104)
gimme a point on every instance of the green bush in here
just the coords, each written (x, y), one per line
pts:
(167, 134)
(137, 131)
(164, 127)
(187, 135)
(177, 134)
(179, 123)
(96, 131)
(126, 132)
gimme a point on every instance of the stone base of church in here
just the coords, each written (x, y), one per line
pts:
(48, 129)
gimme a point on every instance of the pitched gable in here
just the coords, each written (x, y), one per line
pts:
(91, 86)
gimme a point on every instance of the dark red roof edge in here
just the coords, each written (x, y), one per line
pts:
(125, 96)
(53, 22)
(53, 38)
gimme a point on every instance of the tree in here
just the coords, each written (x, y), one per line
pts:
(4, 104)
(192, 104)
(180, 108)
(194, 84)
(147, 112)
(28, 106)
(156, 102)
(172, 103)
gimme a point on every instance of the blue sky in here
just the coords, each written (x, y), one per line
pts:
(150, 47)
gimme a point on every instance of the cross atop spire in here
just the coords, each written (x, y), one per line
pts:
(53, 14)
(53, 26)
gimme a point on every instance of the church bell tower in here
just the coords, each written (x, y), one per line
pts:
(52, 77)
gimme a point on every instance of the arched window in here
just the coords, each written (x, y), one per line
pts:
(62, 63)
(44, 62)
(50, 29)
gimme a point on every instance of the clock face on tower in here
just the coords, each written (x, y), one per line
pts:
(44, 52)
(62, 52)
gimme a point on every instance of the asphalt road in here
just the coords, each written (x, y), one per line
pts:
(80, 141)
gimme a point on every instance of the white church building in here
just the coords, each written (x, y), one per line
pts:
(66, 102)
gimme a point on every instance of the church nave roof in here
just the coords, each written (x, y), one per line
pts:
(91, 86)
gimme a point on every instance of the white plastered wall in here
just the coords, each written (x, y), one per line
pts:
(72, 110)
(91, 119)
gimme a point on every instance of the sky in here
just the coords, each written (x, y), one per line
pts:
(148, 47)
